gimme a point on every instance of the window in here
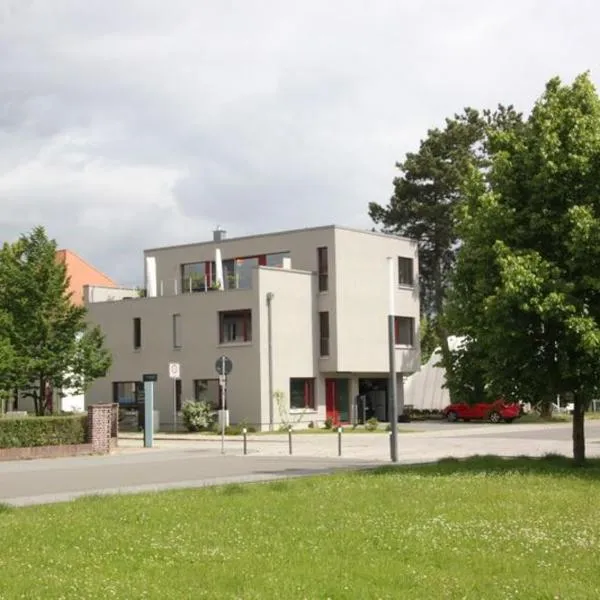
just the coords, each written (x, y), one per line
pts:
(235, 326)
(324, 333)
(405, 271)
(128, 393)
(137, 333)
(302, 393)
(178, 395)
(404, 331)
(242, 279)
(196, 277)
(177, 331)
(208, 390)
(323, 268)
(276, 259)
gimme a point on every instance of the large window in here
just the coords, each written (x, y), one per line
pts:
(208, 390)
(302, 393)
(324, 333)
(235, 326)
(405, 271)
(276, 259)
(128, 393)
(196, 277)
(323, 268)
(177, 331)
(404, 331)
(137, 333)
(243, 272)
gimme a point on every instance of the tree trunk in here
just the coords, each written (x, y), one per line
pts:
(42, 397)
(579, 430)
(440, 330)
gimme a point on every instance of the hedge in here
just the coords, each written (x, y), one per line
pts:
(43, 431)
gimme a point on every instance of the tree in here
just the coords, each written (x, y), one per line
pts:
(52, 345)
(423, 207)
(527, 281)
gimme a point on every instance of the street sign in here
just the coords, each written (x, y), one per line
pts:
(174, 370)
(222, 379)
(223, 365)
(149, 377)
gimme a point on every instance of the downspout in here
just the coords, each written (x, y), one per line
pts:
(270, 357)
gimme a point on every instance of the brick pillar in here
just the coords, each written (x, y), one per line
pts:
(114, 430)
(100, 427)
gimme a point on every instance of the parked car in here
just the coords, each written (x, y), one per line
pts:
(494, 412)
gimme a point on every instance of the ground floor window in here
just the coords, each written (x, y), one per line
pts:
(127, 393)
(302, 393)
(208, 390)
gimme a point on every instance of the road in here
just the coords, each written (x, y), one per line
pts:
(184, 462)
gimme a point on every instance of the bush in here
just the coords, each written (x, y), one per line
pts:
(372, 424)
(43, 431)
(328, 423)
(198, 416)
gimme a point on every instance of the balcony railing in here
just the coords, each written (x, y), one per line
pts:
(164, 287)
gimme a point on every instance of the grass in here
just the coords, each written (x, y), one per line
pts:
(485, 528)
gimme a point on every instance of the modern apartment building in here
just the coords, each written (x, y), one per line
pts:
(301, 314)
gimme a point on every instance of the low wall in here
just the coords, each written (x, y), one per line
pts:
(45, 452)
(103, 431)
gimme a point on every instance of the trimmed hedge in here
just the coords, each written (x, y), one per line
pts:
(43, 431)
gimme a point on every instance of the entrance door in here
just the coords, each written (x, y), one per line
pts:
(337, 400)
(330, 393)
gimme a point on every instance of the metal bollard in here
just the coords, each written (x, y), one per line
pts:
(245, 434)
(290, 438)
(339, 441)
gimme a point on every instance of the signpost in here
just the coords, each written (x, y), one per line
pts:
(174, 374)
(149, 380)
(223, 367)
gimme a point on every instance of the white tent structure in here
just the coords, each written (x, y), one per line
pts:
(424, 389)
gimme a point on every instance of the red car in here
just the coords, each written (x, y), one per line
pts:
(494, 412)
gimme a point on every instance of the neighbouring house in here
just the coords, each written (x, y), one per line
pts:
(80, 274)
(301, 314)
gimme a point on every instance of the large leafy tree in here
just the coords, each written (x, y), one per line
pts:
(526, 290)
(423, 207)
(50, 343)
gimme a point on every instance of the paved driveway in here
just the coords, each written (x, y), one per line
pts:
(194, 461)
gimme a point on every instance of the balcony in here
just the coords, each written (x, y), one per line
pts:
(165, 288)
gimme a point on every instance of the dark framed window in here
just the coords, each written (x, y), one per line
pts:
(404, 331)
(196, 277)
(208, 390)
(302, 393)
(128, 393)
(324, 333)
(323, 268)
(177, 330)
(276, 259)
(137, 333)
(406, 274)
(235, 326)
(178, 403)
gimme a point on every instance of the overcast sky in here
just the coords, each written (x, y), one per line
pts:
(128, 124)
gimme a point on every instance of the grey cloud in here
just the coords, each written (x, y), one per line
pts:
(136, 123)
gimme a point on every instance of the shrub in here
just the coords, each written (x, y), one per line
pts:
(328, 423)
(372, 424)
(43, 431)
(198, 416)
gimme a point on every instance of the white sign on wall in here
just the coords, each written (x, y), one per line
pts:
(174, 370)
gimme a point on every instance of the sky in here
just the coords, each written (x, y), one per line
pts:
(132, 124)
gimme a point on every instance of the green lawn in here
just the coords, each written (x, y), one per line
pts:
(481, 529)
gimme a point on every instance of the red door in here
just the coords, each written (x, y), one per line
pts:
(330, 404)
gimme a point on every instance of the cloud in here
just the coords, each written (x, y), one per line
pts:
(139, 123)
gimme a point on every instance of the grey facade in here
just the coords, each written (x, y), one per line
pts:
(329, 298)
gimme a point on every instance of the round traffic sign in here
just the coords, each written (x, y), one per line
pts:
(223, 365)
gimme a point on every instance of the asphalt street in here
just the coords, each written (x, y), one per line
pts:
(178, 461)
